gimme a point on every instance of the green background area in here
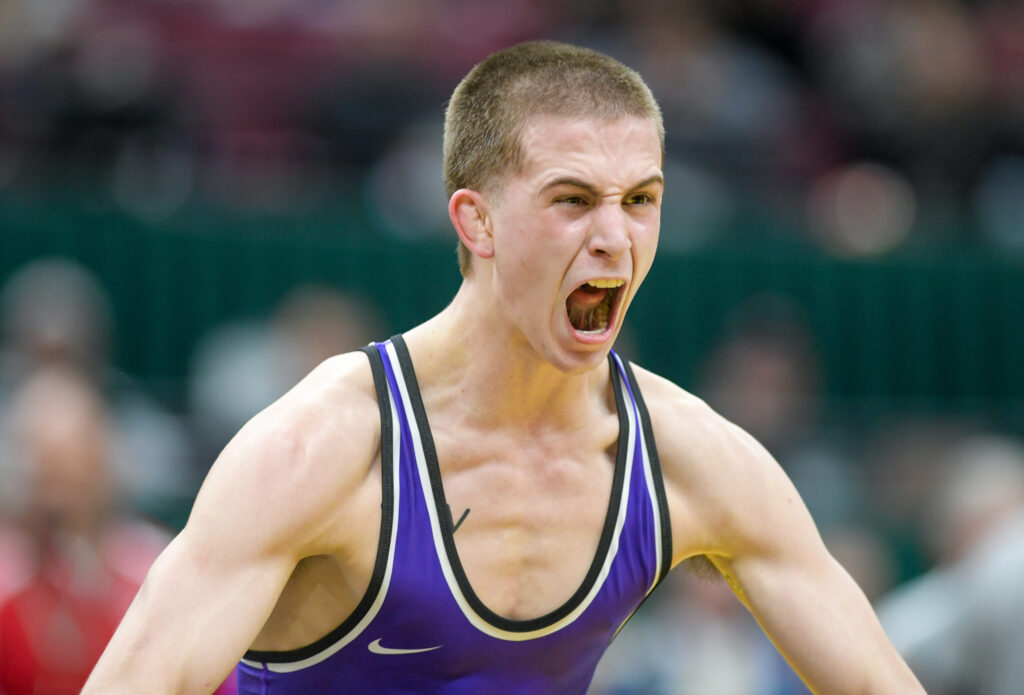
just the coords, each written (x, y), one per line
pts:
(927, 329)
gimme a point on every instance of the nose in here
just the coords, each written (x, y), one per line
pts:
(609, 233)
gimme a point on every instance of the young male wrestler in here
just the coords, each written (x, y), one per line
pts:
(478, 505)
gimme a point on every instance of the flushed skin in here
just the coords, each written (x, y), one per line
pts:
(281, 542)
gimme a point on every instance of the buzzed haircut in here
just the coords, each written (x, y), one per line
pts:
(485, 118)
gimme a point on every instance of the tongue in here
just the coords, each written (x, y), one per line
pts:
(587, 297)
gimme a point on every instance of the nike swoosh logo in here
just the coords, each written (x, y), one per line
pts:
(376, 648)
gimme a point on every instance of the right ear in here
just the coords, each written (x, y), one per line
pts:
(472, 220)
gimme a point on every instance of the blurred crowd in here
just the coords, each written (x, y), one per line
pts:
(867, 124)
(864, 124)
(96, 474)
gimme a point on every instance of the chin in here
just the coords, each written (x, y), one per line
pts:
(585, 356)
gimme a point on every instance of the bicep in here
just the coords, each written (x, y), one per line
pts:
(282, 490)
(210, 591)
(205, 597)
(194, 616)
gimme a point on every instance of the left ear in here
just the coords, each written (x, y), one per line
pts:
(470, 216)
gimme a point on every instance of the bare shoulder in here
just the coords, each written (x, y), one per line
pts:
(334, 403)
(723, 488)
(692, 439)
(301, 462)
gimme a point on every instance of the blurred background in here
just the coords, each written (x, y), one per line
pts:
(202, 199)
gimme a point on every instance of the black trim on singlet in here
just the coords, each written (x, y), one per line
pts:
(380, 383)
(434, 472)
(656, 477)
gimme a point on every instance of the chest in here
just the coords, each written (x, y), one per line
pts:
(528, 513)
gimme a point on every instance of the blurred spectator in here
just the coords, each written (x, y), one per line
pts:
(239, 368)
(910, 85)
(404, 188)
(29, 29)
(902, 465)
(996, 201)
(961, 625)
(87, 559)
(765, 376)
(80, 82)
(861, 209)
(55, 313)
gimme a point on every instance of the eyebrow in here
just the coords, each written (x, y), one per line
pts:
(578, 183)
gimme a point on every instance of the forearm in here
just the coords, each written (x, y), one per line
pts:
(821, 623)
(826, 629)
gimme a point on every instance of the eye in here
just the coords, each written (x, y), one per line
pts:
(640, 199)
(572, 200)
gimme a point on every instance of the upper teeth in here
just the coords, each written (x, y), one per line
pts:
(606, 283)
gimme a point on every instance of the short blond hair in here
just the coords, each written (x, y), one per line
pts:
(488, 109)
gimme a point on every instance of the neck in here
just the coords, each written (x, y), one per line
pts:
(476, 363)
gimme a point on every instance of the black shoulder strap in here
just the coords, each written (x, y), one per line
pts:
(383, 542)
(657, 480)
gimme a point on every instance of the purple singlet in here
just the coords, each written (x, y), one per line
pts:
(420, 628)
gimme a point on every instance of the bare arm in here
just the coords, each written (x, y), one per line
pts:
(276, 494)
(730, 500)
(807, 604)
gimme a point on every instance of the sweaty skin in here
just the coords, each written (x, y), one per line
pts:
(281, 543)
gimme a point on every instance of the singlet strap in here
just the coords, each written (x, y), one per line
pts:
(657, 480)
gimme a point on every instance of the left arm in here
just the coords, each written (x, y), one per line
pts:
(731, 501)
(809, 606)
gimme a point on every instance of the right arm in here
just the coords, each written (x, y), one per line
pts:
(730, 501)
(278, 493)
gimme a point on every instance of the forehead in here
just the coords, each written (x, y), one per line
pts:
(625, 147)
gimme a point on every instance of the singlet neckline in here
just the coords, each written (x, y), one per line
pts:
(446, 522)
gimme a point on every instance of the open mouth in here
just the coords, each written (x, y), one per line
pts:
(590, 306)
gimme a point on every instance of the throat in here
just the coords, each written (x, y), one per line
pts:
(589, 309)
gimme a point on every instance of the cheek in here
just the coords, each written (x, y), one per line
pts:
(514, 264)
(520, 273)
(645, 244)
(529, 250)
